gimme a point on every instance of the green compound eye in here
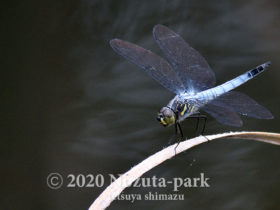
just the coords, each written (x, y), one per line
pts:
(166, 116)
(169, 120)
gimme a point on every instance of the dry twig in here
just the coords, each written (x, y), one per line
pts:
(115, 188)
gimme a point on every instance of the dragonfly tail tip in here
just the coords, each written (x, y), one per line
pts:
(268, 63)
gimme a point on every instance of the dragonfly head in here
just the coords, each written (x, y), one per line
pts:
(166, 116)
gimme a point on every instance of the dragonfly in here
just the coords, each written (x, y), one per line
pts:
(187, 74)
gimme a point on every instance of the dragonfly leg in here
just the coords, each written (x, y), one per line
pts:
(197, 122)
(199, 116)
(182, 137)
(177, 125)
(181, 132)
(174, 135)
(196, 127)
(204, 124)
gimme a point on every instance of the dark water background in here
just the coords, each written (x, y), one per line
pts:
(73, 106)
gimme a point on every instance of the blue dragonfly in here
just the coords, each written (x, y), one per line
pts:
(188, 75)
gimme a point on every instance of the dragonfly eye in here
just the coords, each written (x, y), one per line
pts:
(167, 113)
(166, 116)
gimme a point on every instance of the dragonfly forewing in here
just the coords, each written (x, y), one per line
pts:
(190, 66)
(155, 66)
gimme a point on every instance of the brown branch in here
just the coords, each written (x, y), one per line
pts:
(115, 188)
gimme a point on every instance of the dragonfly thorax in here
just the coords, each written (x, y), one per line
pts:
(177, 109)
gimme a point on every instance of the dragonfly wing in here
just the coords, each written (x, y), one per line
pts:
(243, 104)
(222, 114)
(157, 67)
(189, 65)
